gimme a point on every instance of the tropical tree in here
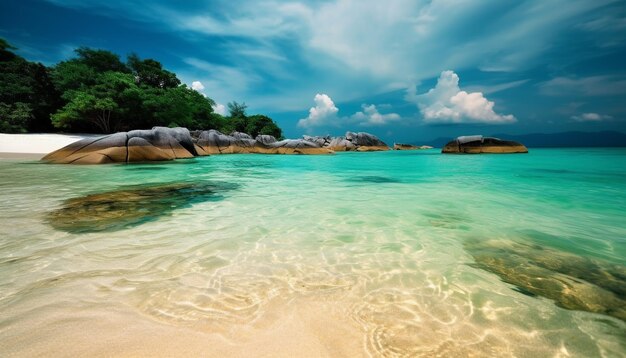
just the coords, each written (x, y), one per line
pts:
(14, 117)
(100, 104)
(237, 110)
(27, 90)
(96, 91)
(150, 73)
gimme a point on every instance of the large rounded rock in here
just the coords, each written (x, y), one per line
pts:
(240, 135)
(341, 144)
(265, 139)
(141, 150)
(107, 149)
(216, 142)
(298, 146)
(366, 142)
(321, 141)
(182, 136)
(479, 144)
(159, 143)
(175, 140)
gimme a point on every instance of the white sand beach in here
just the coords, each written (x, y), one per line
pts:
(35, 145)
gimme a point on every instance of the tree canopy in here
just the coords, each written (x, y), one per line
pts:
(96, 91)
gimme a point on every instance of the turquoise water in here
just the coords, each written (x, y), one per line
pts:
(407, 253)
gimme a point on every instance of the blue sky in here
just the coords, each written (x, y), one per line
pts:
(404, 70)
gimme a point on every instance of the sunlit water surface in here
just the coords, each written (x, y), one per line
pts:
(382, 254)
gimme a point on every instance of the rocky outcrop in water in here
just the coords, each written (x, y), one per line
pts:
(478, 144)
(401, 146)
(158, 143)
(161, 143)
(215, 142)
(361, 142)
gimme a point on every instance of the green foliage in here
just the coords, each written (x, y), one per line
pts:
(5, 50)
(237, 110)
(102, 104)
(97, 92)
(14, 117)
(100, 60)
(253, 125)
(260, 124)
(25, 87)
(150, 73)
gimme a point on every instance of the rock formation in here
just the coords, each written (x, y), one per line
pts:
(215, 142)
(161, 143)
(478, 144)
(573, 282)
(361, 142)
(158, 143)
(401, 146)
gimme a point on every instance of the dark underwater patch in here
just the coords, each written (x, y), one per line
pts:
(374, 179)
(131, 206)
(146, 168)
(571, 281)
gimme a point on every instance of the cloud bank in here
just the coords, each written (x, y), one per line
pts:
(446, 103)
(325, 113)
(590, 117)
(371, 117)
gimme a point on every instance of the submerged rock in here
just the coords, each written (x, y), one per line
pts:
(120, 209)
(571, 281)
(478, 144)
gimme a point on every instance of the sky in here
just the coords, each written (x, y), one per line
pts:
(407, 71)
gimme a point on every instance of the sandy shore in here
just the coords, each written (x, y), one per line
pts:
(35, 145)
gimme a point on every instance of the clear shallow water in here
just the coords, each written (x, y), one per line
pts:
(404, 253)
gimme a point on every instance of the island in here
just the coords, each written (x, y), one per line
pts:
(477, 144)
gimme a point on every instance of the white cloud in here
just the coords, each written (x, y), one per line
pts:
(446, 103)
(219, 109)
(197, 85)
(324, 113)
(371, 117)
(591, 117)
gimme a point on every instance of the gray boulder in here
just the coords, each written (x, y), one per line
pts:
(265, 139)
(159, 143)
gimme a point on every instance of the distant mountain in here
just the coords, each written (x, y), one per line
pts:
(563, 139)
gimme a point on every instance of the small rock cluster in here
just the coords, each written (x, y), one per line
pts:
(401, 146)
(478, 144)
